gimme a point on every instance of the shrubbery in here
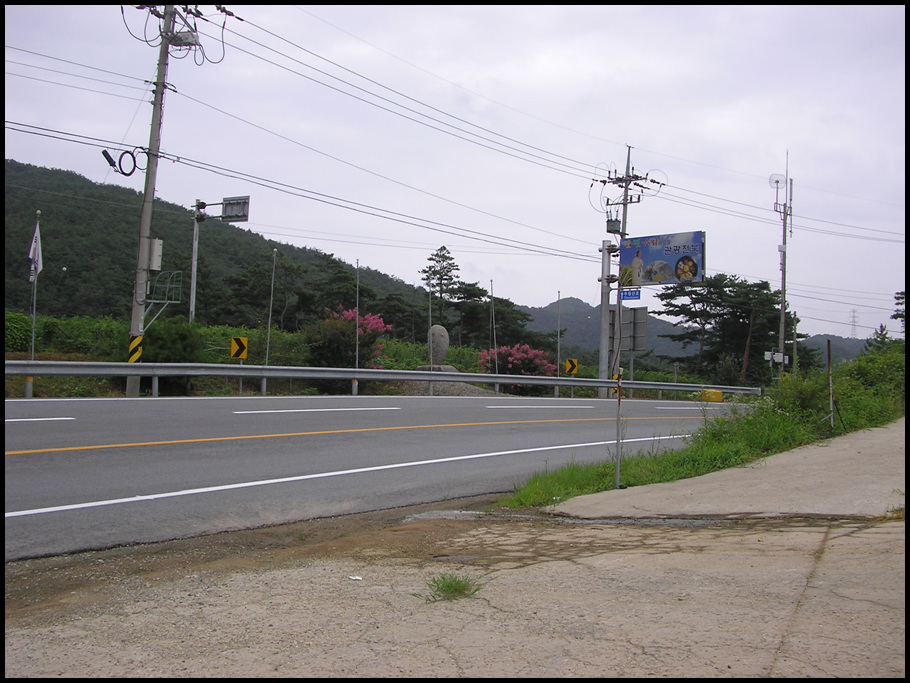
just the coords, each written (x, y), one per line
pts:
(333, 343)
(17, 333)
(520, 359)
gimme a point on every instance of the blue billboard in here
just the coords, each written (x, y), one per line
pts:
(662, 259)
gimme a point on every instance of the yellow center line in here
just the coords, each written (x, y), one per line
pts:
(330, 431)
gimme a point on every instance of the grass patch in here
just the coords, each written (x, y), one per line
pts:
(451, 586)
(791, 415)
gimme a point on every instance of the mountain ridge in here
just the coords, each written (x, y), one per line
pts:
(83, 278)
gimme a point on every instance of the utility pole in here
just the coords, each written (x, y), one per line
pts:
(607, 250)
(785, 210)
(198, 217)
(140, 292)
(606, 369)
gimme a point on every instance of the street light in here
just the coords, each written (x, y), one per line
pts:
(268, 334)
(356, 331)
(236, 209)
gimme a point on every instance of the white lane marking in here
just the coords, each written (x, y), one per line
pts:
(37, 419)
(307, 410)
(319, 475)
(687, 407)
(543, 407)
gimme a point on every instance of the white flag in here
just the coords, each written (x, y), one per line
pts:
(34, 255)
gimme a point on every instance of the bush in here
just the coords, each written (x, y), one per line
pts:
(172, 341)
(17, 333)
(332, 344)
(518, 360)
(95, 337)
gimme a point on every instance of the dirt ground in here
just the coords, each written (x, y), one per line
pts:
(346, 597)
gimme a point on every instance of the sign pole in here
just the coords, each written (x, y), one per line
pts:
(618, 426)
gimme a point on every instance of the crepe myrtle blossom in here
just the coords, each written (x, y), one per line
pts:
(369, 330)
(517, 360)
(369, 323)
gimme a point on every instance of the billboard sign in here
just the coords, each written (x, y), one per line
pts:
(662, 259)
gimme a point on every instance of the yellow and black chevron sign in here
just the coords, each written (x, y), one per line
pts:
(571, 366)
(135, 348)
(238, 347)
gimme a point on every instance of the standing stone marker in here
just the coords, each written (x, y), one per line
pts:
(438, 344)
(437, 348)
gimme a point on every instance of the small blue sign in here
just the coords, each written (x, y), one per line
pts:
(633, 294)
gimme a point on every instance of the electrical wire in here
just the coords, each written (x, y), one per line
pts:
(666, 196)
(323, 198)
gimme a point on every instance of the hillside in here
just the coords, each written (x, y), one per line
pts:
(581, 323)
(89, 234)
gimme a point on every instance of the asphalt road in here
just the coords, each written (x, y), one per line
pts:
(96, 473)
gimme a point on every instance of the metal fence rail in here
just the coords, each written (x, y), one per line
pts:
(156, 370)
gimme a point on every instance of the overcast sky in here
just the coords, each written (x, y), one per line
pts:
(379, 133)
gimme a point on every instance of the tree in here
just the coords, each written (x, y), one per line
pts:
(439, 277)
(249, 294)
(511, 327)
(879, 341)
(734, 322)
(473, 315)
(334, 343)
(404, 318)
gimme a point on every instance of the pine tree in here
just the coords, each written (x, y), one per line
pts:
(439, 278)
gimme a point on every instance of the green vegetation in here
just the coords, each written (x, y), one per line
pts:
(89, 255)
(868, 392)
(451, 586)
(730, 323)
(326, 343)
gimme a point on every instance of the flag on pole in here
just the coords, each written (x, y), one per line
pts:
(34, 255)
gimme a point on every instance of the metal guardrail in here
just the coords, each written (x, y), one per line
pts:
(156, 370)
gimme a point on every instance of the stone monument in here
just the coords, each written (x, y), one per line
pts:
(438, 346)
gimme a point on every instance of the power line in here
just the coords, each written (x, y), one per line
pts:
(666, 196)
(332, 200)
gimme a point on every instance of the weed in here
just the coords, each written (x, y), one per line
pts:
(451, 586)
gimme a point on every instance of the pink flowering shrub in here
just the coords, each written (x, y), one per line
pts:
(518, 360)
(333, 343)
(370, 324)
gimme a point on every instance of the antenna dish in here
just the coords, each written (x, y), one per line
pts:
(776, 180)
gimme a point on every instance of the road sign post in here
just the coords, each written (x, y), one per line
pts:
(239, 347)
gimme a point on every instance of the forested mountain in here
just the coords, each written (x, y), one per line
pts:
(581, 323)
(89, 235)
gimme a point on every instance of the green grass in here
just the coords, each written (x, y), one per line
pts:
(795, 413)
(451, 586)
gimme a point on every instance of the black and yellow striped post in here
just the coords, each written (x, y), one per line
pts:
(135, 348)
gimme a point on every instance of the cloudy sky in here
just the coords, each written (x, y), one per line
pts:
(379, 133)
